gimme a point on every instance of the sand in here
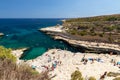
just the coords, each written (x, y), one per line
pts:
(69, 62)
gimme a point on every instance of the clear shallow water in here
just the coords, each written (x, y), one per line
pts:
(21, 33)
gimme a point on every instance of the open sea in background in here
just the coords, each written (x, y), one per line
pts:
(22, 33)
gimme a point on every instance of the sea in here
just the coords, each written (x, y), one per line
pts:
(24, 33)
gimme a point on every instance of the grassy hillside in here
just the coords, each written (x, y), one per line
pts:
(9, 70)
(98, 28)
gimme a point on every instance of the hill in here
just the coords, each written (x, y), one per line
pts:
(99, 28)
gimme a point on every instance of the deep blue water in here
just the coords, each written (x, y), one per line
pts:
(21, 33)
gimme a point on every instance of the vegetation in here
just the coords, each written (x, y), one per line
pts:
(6, 54)
(9, 70)
(97, 18)
(92, 78)
(76, 75)
(118, 78)
(112, 74)
(105, 27)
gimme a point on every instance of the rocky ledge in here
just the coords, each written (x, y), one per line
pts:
(59, 34)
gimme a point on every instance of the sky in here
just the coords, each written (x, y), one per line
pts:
(57, 8)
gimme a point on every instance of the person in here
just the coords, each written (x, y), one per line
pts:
(52, 68)
(49, 59)
(58, 57)
(92, 61)
(64, 55)
(82, 60)
(112, 60)
(103, 76)
(85, 61)
(33, 67)
(60, 62)
(114, 63)
(118, 64)
(111, 53)
(55, 64)
(98, 59)
(53, 57)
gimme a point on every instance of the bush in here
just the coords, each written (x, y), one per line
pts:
(76, 75)
(110, 39)
(11, 71)
(6, 54)
(73, 32)
(93, 34)
(92, 78)
(101, 35)
(113, 74)
(82, 33)
(118, 78)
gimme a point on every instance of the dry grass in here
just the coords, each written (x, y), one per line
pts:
(11, 71)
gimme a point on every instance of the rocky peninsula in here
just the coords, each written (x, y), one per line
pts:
(59, 33)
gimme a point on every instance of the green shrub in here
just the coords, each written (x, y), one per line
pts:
(101, 35)
(73, 32)
(113, 74)
(76, 75)
(93, 34)
(110, 39)
(92, 78)
(118, 78)
(6, 54)
(112, 19)
(82, 33)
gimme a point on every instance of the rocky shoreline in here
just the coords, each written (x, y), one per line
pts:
(1, 34)
(95, 47)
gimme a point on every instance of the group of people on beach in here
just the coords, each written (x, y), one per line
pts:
(54, 62)
(85, 60)
(115, 63)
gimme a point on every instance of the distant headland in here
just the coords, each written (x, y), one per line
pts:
(99, 33)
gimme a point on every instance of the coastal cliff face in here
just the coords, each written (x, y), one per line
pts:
(94, 34)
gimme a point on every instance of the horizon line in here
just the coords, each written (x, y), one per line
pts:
(58, 17)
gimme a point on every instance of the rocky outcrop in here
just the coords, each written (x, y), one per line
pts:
(52, 29)
(88, 46)
(92, 46)
(1, 34)
(19, 52)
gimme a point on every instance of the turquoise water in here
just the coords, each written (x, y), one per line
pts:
(22, 33)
